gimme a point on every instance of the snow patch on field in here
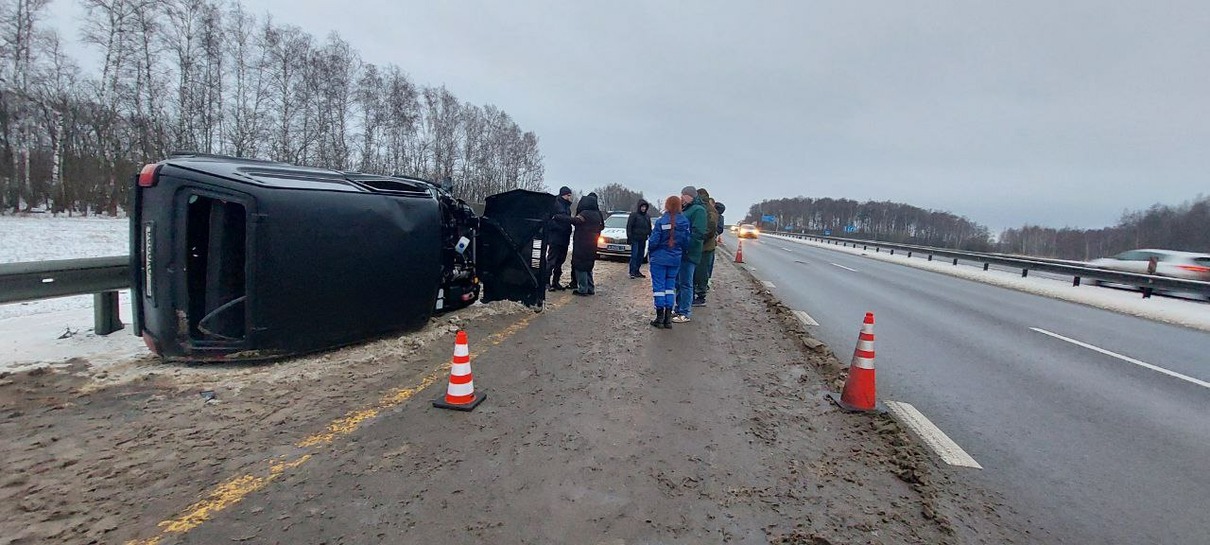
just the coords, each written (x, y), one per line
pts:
(30, 332)
(39, 237)
(1193, 314)
(49, 338)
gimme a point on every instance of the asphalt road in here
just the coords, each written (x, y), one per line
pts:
(1085, 446)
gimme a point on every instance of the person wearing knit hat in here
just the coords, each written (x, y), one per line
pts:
(695, 212)
(701, 275)
(559, 237)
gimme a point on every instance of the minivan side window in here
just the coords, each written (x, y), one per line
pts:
(1133, 255)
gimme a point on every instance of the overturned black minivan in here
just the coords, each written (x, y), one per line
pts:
(238, 259)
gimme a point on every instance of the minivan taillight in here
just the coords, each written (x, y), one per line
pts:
(1195, 268)
(149, 175)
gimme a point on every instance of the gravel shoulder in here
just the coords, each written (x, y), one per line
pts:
(597, 429)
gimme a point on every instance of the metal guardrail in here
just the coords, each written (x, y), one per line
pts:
(100, 276)
(1148, 283)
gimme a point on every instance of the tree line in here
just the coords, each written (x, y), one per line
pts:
(209, 77)
(1180, 227)
(617, 197)
(887, 221)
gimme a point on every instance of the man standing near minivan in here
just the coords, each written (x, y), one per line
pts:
(638, 228)
(696, 214)
(559, 237)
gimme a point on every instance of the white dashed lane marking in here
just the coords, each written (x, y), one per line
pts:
(937, 440)
(1127, 359)
(844, 267)
(805, 318)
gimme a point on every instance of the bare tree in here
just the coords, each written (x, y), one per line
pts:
(19, 36)
(286, 51)
(244, 133)
(335, 67)
(618, 197)
(191, 74)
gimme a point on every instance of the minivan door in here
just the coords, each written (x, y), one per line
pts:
(511, 247)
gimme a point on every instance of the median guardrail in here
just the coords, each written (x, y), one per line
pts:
(100, 276)
(1146, 282)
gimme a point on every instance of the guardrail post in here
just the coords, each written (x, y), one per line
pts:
(106, 318)
(909, 253)
(877, 249)
(1147, 292)
(892, 251)
(1076, 282)
(955, 262)
(1024, 273)
(930, 257)
(864, 247)
(986, 265)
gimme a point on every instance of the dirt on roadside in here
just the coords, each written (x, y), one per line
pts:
(598, 429)
(90, 451)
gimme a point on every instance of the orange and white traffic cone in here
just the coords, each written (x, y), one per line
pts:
(860, 393)
(460, 395)
(739, 252)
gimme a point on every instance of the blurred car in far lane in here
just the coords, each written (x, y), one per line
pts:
(748, 230)
(1172, 263)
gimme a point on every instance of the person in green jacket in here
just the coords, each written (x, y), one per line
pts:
(701, 275)
(696, 214)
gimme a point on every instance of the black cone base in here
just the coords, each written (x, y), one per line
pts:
(479, 397)
(835, 397)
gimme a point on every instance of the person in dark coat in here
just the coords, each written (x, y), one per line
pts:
(638, 228)
(559, 237)
(589, 223)
(705, 270)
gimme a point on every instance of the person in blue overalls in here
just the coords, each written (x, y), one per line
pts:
(668, 241)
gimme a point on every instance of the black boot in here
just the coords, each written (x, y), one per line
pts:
(667, 318)
(659, 318)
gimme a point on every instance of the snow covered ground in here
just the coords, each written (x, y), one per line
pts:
(1185, 312)
(51, 331)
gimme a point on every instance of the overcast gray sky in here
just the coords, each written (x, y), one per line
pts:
(1058, 113)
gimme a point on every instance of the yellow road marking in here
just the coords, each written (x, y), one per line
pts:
(234, 490)
(226, 494)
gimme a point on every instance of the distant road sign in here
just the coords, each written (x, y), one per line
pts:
(850, 228)
(827, 232)
(769, 218)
